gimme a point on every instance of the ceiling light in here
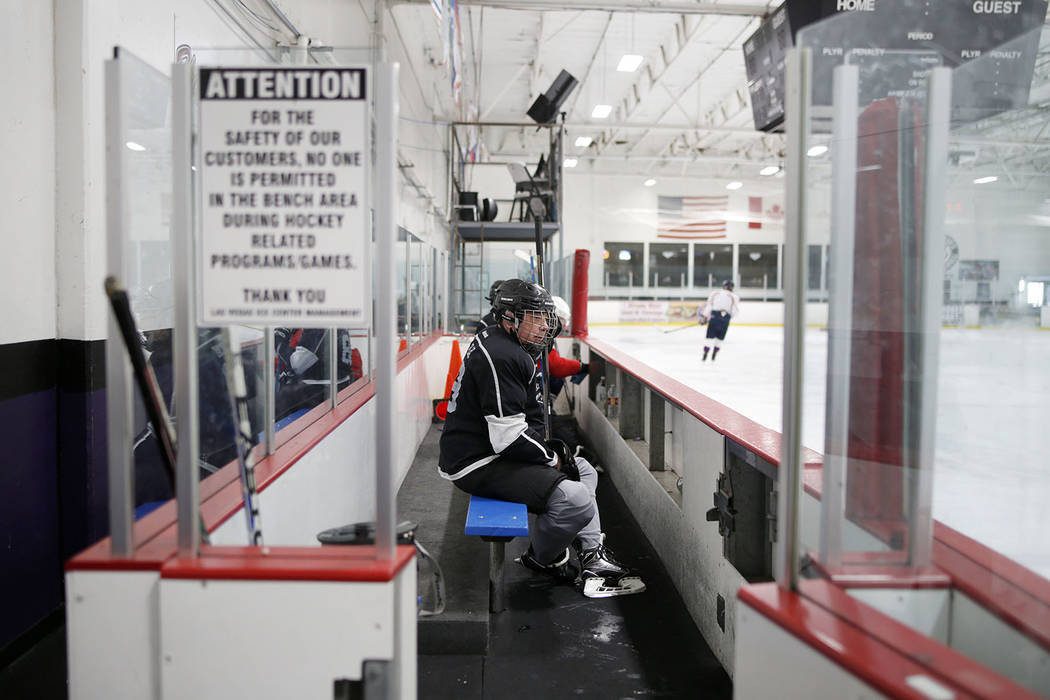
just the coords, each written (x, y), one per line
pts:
(583, 141)
(734, 185)
(570, 162)
(629, 63)
(985, 180)
(817, 151)
(769, 170)
(649, 183)
(135, 146)
(624, 255)
(601, 111)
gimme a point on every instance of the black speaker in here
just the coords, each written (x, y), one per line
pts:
(546, 106)
(469, 208)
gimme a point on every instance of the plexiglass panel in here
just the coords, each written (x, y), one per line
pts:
(926, 192)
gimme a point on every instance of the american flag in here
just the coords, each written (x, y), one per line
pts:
(692, 217)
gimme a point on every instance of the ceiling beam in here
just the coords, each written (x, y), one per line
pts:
(683, 34)
(647, 6)
(622, 126)
(594, 58)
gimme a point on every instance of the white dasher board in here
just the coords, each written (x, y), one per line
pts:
(284, 172)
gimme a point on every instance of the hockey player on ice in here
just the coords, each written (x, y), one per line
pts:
(493, 446)
(721, 306)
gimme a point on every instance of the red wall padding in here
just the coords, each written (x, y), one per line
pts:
(580, 290)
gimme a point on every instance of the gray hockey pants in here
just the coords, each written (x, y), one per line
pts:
(572, 511)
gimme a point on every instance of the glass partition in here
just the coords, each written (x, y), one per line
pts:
(297, 371)
(623, 264)
(145, 253)
(926, 193)
(402, 259)
(712, 264)
(668, 264)
(760, 266)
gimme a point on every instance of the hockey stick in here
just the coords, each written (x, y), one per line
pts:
(538, 213)
(242, 435)
(675, 330)
(146, 380)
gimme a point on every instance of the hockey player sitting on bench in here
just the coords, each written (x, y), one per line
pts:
(493, 446)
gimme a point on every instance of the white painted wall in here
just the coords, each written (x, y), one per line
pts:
(85, 33)
(614, 311)
(73, 162)
(988, 640)
(688, 546)
(774, 664)
(601, 208)
(27, 176)
(282, 639)
(123, 604)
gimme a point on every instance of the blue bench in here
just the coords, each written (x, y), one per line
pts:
(496, 522)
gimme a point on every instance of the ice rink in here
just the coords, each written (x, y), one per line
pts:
(992, 469)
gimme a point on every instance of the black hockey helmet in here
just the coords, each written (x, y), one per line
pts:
(492, 291)
(517, 297)
(728, 284)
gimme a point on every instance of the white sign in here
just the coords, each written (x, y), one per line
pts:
(284, 158)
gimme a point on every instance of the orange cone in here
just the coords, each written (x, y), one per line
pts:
(454, 363)
(402, 346)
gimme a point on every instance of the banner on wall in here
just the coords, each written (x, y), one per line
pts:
(679, 311)
(643, 312)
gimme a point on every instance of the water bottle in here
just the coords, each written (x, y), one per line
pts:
(599, 395)
(614, 402)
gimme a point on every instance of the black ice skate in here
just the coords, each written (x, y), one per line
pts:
(560, 570)
(714, 354)
(705, 355)
(601, 576)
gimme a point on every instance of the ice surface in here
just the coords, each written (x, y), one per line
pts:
(991, 470)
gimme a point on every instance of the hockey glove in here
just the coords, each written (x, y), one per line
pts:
(565, 456)
(582, 374)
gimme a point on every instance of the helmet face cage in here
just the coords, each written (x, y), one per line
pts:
(536, 345)
(728, 284)
(523, 302)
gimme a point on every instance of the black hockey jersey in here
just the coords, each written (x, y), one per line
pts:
(489, 319)
(495, 409)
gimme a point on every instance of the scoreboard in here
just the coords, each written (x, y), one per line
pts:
(895, 43)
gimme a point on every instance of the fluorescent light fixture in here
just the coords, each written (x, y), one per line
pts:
(985, 180)
(629, 63)
(649, 183)
(570, 162)
(624, 255)
(734, 185)
(132, 146)
(583, 141)
(601, 111)
(769, 170)
(817, 151)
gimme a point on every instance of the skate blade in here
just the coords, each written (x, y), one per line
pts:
(600, 588)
